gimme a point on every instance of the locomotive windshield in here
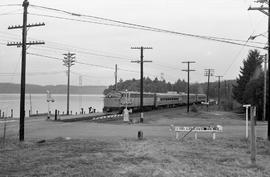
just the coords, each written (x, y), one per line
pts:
(113, 95)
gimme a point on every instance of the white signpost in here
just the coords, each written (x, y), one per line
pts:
(49, 99)
(126, 111)
(247, 106)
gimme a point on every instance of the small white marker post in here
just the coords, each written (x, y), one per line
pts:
(247, 106)
(126, 113)
(49, 99)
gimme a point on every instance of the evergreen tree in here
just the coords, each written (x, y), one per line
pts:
(251, 66)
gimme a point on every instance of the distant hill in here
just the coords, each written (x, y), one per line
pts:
(55, 89)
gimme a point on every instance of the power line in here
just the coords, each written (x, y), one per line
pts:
(83, 52)
(60, 59)
(223, 40)
(83, 63)
(234, 60)
(87, 21)
(107, 56)
(137, 26)
(143, 27)
(89, 53)
(9, 5)
(120, 58)
(8, 13)
(126, 23)
(71, 47)
(32, 73)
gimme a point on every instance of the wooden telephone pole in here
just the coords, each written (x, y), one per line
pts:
(208, 73)
(219, 90)
(188, 70)
(141, 89)
(69, 60)
(24, 44)
(265, 10)
(115, 79)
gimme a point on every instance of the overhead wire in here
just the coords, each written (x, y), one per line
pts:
(85, 52)
(49, 48)
(234, 60)
(32, 73)
(109, 56)
(74, 48)
(10, 14)
(84, 63)
(94, 53)
(126, 60)
(143, 27)
(9, 5)
(154, 30)
(60, 59)
(248, 40)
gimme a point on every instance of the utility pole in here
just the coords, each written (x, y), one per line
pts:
(115, 75)
(219, 90)
(80, 98)
(264, 9)
(141, 89)
(268, 66)
(265, 87)
(208, 73)
(68, 60)
(225, 86)
(24, 44)
(188, 70)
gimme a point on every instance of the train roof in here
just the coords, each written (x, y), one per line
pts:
(150, 93)
(134, 92)
(168, 94)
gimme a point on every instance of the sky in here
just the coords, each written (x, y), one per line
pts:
(98, 45)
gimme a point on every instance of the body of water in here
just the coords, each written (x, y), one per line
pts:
(39, 103)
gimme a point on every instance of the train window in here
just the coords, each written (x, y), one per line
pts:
(134, 95)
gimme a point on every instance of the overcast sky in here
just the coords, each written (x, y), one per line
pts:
(221, 18)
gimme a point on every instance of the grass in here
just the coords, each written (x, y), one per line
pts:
(159, 157)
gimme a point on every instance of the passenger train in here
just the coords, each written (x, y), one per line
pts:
(116, 101)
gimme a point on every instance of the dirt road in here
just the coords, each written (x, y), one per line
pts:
(156, 124)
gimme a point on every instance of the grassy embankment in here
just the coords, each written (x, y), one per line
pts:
(130, 157)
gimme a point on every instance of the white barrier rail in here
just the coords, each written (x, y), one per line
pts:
(108, 117)
(209, 129)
